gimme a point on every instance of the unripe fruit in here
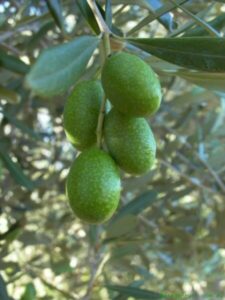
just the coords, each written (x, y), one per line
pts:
(93, 186)
(130, 142)
(131, 85)
(81, 112)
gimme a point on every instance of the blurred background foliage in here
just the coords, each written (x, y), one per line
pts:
(167, 240)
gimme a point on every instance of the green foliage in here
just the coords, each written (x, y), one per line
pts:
(167, 235)
(136, 293)
(29, 293)
(12, 63)
(130, 142)
(15, 170)
(60, 67)
(81, 114)
(3, 291)
(200, 53)
(123, 77)
(55, 7)
(93, 186)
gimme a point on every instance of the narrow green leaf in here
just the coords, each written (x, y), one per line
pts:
(32, 42)
(9, 95)
(136, 206)
(158, 13)
(12, 233)
(217, 23)
(3, 291)
(23, 127)
(13, 63)
(55, 8)
(16, 171)
(167, 19)
(210, 81)
(59, 67)
(1, 170)
(88, 15)
(3, 19)
(136, 292)
(201, 53)
(108, 13)
(113, 28)
(122, 226)
(29, 293)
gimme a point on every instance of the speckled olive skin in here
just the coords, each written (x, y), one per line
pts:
(131, 85)
(81, 112)
(93, 186)
(130, 142)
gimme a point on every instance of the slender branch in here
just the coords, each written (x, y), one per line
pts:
(158, 13)
(211, 171)
(107, 51)
(101, 23)
(98, 264)
(198, 20)
(100, 122)
(193, 181)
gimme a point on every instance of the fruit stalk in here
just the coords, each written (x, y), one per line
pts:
(107, 51)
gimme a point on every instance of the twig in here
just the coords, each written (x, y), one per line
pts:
(193, 181)
(199, 21)
(100, 122)
(96, 269)
(211, 171)
(107, 50)
(11, 48)
(101, 23)
(158, 13)
(54, 287)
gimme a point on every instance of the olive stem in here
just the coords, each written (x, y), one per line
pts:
(105, 50)
(99, 131)
(101, 23)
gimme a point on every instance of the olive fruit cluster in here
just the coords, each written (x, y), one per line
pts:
(93, 184)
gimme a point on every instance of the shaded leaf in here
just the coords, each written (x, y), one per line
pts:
(108, 13)
(201, 53)
(15, 170)
(23, 127)
(12, 233)
(13, 63)
(36, 37)
(9, 95)
(55, 8)
(59, 67)
(122, 226)
(167, 7)
(119, 252)
(166, 19)
(137, 205)
(211, 81)
(88, 15)
(3, 291)
(62, 266)
(136, 292)
(29, 293)
(218, 23)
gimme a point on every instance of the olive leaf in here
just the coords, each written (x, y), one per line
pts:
(12, 63)
(199, 53)
(136, 292)
(59, 67)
